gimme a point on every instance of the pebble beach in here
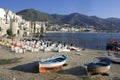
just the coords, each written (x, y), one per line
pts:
(27, 66)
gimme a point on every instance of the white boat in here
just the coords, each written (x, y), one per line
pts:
(115, 57)
(74, 48)
(64, 49)
(53, 62)
(61, 48)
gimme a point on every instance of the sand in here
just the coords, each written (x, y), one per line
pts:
(27, 67)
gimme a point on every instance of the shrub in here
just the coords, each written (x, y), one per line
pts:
(9, 32)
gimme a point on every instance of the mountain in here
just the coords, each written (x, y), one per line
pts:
(34, 15)
(84, 20)
(73, 19)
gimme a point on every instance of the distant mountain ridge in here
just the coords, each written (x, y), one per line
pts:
(73, 19)
(34, 15)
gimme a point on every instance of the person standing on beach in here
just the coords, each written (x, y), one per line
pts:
(109, 52)
(97, 46)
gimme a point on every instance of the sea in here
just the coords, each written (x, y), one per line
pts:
(83, 39)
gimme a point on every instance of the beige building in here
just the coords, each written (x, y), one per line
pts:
(9, 20)
(19, 27)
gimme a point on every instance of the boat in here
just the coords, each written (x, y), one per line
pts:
(64, 49)
(74, 48)
(53, 62)
(61, 48)
(99, 66)
(114, 57)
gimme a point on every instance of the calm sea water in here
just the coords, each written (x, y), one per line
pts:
(90, 40)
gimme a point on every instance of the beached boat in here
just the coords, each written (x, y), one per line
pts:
(61, 48)
(114, 57)
(53, 62)
(74, 48)
(64, 49)
(99, 66)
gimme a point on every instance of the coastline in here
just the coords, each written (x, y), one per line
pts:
(68, 32)
(80, 32)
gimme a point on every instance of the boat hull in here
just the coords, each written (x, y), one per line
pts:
(98, 70)
(45, 67)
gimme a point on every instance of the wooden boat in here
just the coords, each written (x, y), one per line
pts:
(99, 66)
(114, 57)
(53, 62)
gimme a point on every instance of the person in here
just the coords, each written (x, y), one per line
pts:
(35, 45)
(71, 44)
(117, 49)
(109, 52)
(85, 45)
(20, 46)
(97, 46)
(113, 41)
(64, 44)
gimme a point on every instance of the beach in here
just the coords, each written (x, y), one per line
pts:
(27, 66)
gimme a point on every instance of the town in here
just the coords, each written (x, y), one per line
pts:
(20, 27)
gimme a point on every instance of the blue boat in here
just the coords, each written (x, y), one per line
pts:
(99, 66)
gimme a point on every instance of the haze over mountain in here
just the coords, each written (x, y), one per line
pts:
(73, 19)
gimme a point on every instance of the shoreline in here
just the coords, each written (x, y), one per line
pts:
(75, 69)
(68, 32)
(80, 32)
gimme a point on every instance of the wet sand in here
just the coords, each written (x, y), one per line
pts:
(27, 67)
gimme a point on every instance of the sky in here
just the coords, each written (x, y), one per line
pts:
(99, 8)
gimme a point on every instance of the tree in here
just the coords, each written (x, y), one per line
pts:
(9, 32)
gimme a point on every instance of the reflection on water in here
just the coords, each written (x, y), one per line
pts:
(90, 40)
